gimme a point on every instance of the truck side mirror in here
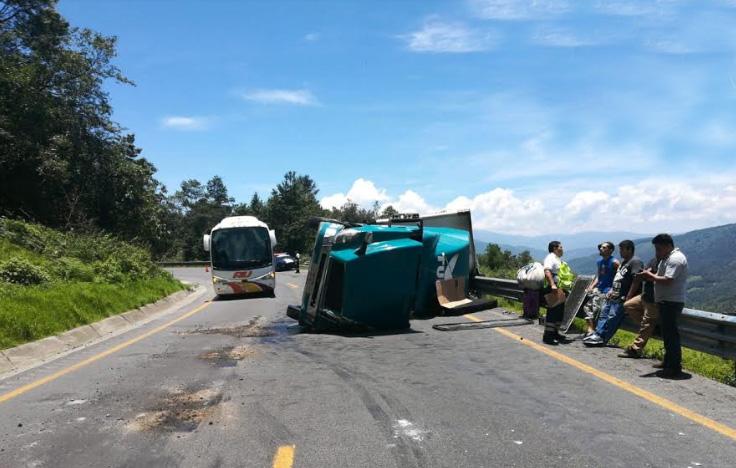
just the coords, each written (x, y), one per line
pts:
(272, 235)
(206, 242)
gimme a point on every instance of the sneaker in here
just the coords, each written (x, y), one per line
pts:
(593, 336)
(593, 340)
(630, 353)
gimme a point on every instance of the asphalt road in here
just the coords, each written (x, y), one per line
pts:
(237, 384)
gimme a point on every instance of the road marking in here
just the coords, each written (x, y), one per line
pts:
(284, 457)
(50, 378)
(292, 285)
(629, 387)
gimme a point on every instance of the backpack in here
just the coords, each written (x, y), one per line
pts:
(531, 276)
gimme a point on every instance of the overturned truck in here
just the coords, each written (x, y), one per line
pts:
(380, 275)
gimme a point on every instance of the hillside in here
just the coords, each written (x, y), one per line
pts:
(711, 262)
(51, 281)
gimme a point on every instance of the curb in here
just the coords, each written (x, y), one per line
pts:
(28, 355)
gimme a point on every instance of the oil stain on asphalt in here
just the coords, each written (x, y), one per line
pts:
(251, 329)
(228, 356)
(179, 411)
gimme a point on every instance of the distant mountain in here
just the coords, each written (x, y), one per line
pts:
(573, 243)
(537, 254)
(576, 245)
(711, 255)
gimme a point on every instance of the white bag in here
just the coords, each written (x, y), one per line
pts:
(531, 276)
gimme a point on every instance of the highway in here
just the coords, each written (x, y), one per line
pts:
(226, 383)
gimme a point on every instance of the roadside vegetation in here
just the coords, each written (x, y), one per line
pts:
(52, 281)
(704, 364)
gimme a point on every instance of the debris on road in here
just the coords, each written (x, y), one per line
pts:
(229, 356)
(180, 411)
(403, 427)
(251, 329)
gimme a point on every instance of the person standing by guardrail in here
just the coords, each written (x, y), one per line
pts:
(555, 311)
(298, 259)
(669, 292)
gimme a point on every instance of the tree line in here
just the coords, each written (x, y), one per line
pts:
(502, 263)
(66, 164)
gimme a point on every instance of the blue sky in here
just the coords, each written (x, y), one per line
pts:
(553, 116)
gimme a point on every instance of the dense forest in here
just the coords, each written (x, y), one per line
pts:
(66, 164)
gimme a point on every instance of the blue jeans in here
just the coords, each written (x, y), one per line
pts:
(612, 314)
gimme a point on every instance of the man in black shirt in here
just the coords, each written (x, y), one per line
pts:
(643, 310)
(612, 313)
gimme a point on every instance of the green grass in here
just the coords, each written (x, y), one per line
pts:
(704, 364)
(29, 313)
(9, 250)
(53, 281)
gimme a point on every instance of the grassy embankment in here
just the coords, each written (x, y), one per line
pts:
(51, 282)
(698, 362)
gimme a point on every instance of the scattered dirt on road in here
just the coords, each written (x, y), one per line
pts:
(179, 411)
(251, 329)
(228, 357)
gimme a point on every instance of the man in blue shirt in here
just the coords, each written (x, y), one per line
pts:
(601, 285)
(613, 308)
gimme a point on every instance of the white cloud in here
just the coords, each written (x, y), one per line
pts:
(335, 200)
(630, 7)
(185, 123)
(441, 37)
(411, 202)
(363, 192)
(518, 9)
(674, 205)
(584, 203)
(560, 38)
(670, 47)
(500, 210)
(299, 97)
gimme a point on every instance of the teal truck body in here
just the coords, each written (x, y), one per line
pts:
(380, 275)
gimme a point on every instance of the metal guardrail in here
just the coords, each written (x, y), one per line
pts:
(201, 263)
(709, 332)
(194, 263)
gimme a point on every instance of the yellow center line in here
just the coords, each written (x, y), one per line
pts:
(627, 386)
(50, 378)
(284, 457)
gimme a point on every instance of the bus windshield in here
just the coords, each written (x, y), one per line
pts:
(244, 247)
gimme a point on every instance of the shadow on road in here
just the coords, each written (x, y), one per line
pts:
(659, 373)
(240, 297)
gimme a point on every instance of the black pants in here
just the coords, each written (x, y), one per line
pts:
(669, 314)
(555, 314)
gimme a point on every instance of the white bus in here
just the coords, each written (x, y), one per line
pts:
(241, 254)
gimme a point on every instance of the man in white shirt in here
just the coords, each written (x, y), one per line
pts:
(553, 320)
(669, 292)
